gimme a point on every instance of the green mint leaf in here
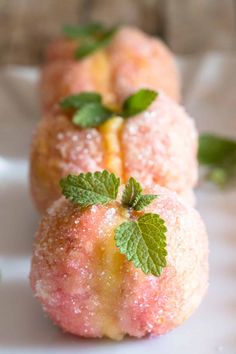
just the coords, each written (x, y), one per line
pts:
(218, 176)
(91, 112)
(143, 201)
(79, 100)
(138, 102)
(93, 44)
(132, 196)
(90, 188)
(215, 150)
(90, 29)
(131, 193)
(218, 154)
(86, 49)
(144, 242)
(91, 115)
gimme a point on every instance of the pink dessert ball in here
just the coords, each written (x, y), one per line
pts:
(132, 60)
(158, 146)
(88, 287)
(139, 60)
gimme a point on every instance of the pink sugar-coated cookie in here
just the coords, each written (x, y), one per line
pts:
(88, 287)
(156, 146)
(132, 60)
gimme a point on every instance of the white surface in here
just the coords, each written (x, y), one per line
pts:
(209, 95)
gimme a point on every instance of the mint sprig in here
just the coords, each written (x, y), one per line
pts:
(142, 241)
(90, 188)
(138, 102)
(91, 112)
(218, 154)
(93, 44)
(143, 201)
(91, 29)
(79, 100)
(91, 115)
(132, 190)
(92, 37)
(132, 196)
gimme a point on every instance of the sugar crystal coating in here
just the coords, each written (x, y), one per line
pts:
(89, 288)
(157, 146)
(162, 146)
(58, 149)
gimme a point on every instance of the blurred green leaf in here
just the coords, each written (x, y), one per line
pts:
(219, 155)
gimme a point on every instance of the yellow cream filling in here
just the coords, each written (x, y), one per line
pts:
(101, 74)
(110, 259)
(109, 279)
(111, 131)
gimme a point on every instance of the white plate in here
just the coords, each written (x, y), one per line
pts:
(23, 327)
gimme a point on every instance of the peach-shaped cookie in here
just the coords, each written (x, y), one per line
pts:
(157, 146)
(132, 60)
(90, 289)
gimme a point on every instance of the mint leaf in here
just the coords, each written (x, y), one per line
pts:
(93, 36)
(215, 150)
(143, 201)
(79, 100)
(131, 192)
(90, 188)
(138, 102)
(91, 115)
(86, 49)
(218, 154)
(144, 242)
(90, 29)
(132, 196)
(93, 44)
(218, 176)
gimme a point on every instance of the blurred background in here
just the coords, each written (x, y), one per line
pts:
(188, 26)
